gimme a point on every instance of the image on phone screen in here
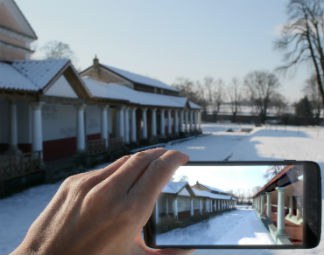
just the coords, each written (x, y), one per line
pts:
(232, 205)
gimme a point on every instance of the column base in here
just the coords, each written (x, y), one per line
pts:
(13, 150)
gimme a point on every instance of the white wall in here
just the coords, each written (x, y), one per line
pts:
(61, 88)
(93, 119)
(24, 114)
(59, 121)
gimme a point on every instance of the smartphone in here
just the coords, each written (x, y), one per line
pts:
(235, 205)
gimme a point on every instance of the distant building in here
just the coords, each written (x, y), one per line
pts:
(16, 34)
(180, 205)
(51, 117)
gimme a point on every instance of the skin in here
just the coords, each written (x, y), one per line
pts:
(104, 211)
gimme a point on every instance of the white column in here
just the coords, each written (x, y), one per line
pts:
(37, 133)
(196, 120)
(104, 124)
(268, 205)
(162, 122)
(13, 143)
(175, 208)
(176, 122)
(262, 205)
(169, 123)
(291, 205)
(191, 207)
(191, 120)
(154, 133)
(121, 122)
(81, 143)
(200, 206)
(281, 211)
(186, 121)
(144, 118)
(182, 128)
(134, 132)
(126, 130)
(199, 120)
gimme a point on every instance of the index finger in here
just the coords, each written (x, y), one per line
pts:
(159, 172)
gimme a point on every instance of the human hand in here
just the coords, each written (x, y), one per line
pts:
(104, 211)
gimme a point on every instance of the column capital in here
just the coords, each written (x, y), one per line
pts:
(280, 189)
(104, 107)
(144, 109)
(37, 105)
(81, 106)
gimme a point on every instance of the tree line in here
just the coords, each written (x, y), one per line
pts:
(258, 89)
(301, 42)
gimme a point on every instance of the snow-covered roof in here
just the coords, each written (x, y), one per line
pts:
(205, 193)
(115, 91)
(174, 187)
(137, 78)
(40, 72)
(211, 188)
(193, 105)
(11, 79)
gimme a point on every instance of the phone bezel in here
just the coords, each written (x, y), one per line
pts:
(312, 209)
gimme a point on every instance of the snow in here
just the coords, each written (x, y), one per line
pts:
(137, 78)
(40, 72)
(174, 187)
(11, 79)
(205, 193)
(30, 75)
(263, 143)
(114, 91)
(240, 226)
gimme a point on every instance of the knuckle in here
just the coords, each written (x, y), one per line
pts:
(78, 182)
(159, 164)
(139, 155)
(68, 182)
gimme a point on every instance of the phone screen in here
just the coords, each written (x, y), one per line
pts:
(208, 205)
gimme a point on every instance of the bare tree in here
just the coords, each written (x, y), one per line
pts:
(188, 88)
(311, 91)
(273, 171)
(205, 90)
(57, 50)
(234, 96)
(279, 103)
(218, 95)
(302, 38)
(261, 86)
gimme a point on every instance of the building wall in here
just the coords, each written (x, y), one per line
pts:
(7, 53)
(93, 121)
(13, 27)
(13, 40)
(24, 113)
(59, 131)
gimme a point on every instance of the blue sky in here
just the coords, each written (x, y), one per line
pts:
(235, 178)
(169, 39)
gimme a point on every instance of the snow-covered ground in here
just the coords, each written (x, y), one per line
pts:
(263, 143)
(241, 226)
